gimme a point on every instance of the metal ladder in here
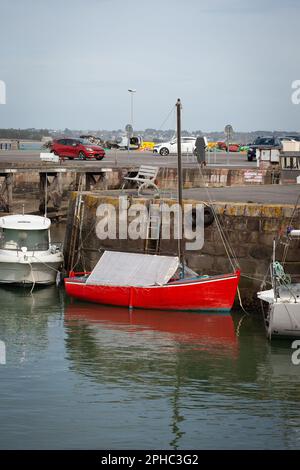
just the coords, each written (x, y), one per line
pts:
(77, 220)
(153, 234)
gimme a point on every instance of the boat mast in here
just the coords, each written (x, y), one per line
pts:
(273, 272)
(179, 181)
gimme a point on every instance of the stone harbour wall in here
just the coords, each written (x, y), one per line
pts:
(167, 178)
(250, 229)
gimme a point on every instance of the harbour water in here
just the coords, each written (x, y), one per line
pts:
(30, 146)
(80, 376)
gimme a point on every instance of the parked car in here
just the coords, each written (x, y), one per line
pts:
(166, 148)
(285, 138)
(262, 143)
(291, 137)
(221, 145)
(232, 147)
(76, 148)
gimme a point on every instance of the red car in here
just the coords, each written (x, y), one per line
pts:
(232, 147)
(221, 145)
(76, 148)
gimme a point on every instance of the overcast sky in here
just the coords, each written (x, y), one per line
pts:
(70, 63)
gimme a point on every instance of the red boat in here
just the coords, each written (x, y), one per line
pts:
(149, 282)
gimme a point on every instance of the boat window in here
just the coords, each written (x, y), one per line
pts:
(33, 240)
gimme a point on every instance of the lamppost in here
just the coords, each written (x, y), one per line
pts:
(131, 109)
(130, 127)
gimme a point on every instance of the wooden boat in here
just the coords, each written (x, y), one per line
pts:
(119, 279)
(154, 282)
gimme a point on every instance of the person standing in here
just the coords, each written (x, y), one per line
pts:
(200, 149)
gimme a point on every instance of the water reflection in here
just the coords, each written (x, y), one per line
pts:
(100, 332)
(196, 359)
(25, 318)
(158, 348)
(208, 330)
(86, 376)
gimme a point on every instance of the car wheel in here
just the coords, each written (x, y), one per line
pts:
(81, 156)
(164, 152)
(99, 158)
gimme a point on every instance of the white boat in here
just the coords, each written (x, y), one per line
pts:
(282, 318)
(27, 255)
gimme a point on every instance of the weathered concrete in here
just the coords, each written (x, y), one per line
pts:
(26, 177)
(250, 229)
(59, 179)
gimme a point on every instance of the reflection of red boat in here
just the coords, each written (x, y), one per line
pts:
(211, 330)
(145, 281)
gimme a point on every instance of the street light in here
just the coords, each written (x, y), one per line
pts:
(131, 93)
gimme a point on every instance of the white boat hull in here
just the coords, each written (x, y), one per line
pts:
(37, 273)
(38, 268)
(284, 320)
(283, 315)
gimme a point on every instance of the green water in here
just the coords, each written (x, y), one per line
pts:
(81, 376)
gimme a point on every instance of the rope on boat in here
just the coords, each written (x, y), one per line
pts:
(33, 285)
(258, 279)
(282, 277)
(45, 264)
(241, 303)
(240, 324)
(287, 245)
(227, 246)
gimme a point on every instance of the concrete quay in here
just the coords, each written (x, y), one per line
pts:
(120, 158)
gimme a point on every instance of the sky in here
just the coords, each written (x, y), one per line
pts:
(70, 63)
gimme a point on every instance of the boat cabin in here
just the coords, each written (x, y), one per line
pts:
(27, 232)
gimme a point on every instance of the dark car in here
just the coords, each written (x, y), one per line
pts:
(76, 148)
(262, 143)
(295, 137)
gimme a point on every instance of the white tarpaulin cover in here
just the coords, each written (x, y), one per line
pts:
(131, 269)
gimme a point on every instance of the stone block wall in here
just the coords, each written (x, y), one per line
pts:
(249, 228)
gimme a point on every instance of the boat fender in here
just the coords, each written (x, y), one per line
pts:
(208, 217)
(59, 278)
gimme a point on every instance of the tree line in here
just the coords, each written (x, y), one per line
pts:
(18, 134)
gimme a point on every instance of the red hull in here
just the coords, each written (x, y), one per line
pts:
(212, 293)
